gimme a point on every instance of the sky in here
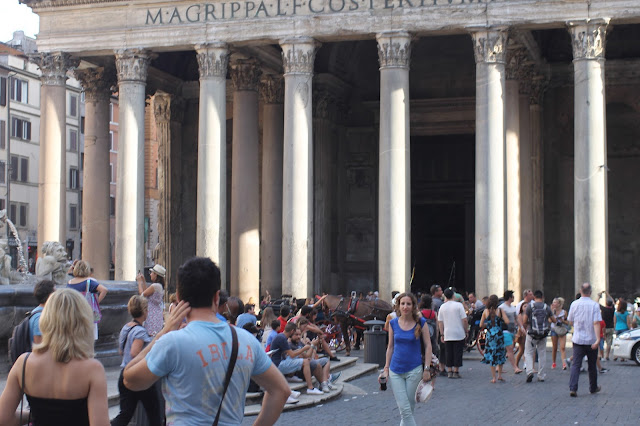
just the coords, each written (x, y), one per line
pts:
(15, 16)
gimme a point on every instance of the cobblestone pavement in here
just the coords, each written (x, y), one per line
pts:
(472, 400)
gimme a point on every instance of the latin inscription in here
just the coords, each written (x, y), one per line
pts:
(235, 10)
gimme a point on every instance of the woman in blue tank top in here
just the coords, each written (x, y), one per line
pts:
(403, 366)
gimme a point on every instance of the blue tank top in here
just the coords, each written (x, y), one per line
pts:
(621, 321)
(407, 352)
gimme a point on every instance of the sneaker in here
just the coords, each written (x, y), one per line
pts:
(334, 377)
(325, 387)
(596, 390)
(450, 374)
(541, 379)
(294, 379)
(332, 386)
(568, 361)
(604, 370)
(553, 366)
(334, 359)
(292, 400)
(314, 391)
(456, 375)
(294, 394)
(443, 373)
(529, 377)
(573, 394)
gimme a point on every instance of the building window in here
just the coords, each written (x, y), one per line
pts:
(73, 140)
(20, 128)
(3, 170)
(3, 203)
(82, 125)
(110, 140)
(19, 170)
(112, 206)
(3, 134)
(111, 173)
(81, 161)
(111, 112)
(19, 90)
(18, 214)
(3, 91)
(73, 105)
(73, 178)
(73, 216)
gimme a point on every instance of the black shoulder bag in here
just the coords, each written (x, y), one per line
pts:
(232, 364)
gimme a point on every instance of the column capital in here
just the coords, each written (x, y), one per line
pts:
(537, 86)
(518, 66)
(97, 83)
(272, 89)
(588, 38)
(132, 65)
(213, 59)
(394, 49)
(245, 74)
(298, 55)
(490, 45)
(54, 67)
(167, 107)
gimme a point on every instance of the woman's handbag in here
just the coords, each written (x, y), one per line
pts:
(560, 330)
(93, 302)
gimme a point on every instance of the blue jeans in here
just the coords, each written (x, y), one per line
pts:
(404, 390)
(579, 351)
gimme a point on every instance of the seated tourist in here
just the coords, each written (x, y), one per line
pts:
(275, 324)
(296, 342)
(291, 361)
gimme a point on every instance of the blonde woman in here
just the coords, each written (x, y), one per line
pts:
(558, 339)
(82, 282)
(403, 364)
(265, 322)
(63, 383)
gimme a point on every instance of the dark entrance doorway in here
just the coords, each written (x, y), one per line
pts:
(442, 211)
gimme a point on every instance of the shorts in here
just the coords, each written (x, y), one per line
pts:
(608, 336)
(553, 334)
(508, 338)
(290, 365)
(454, 349)
(602, 344)
(313, 363)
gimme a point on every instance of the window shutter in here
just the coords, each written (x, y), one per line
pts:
(3, 91)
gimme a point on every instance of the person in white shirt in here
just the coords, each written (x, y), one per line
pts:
(452, 322)
(585, 316)
(509, 334)
(521, 332)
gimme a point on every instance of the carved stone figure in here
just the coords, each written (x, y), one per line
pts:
(53, 264)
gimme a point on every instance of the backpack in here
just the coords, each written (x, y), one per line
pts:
(20, 342)
(539, 320)
(430, 317)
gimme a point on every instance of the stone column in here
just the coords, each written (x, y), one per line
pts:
(97, 84)
(132, 65)
(245, 182)
(168, 112)
(526, 188)
(211, 238)
(298, 56)
(516, 57)
(52, 190)
(394, 174)
(489, 49)
(590, 150)
(538, 85)
(272, 92)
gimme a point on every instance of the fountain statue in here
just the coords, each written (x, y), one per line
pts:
(6, 275)
(53, 264)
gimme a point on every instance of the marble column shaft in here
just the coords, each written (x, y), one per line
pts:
(211, 238)
(272, 91)
(394, 192)
(537, 184)
(96, 247)
(298, 56)
(489, 48)
(245, 182)
(132, 66)
(590, 151)
(526, 188)
(52, 190)
(512, 140)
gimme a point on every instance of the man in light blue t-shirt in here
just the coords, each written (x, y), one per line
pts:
(41, 292)
(193, 361)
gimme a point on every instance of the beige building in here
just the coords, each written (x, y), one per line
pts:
(20, 148)
(333, 145)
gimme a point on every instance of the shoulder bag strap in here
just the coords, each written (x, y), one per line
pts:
(232, 364)
(24, 365)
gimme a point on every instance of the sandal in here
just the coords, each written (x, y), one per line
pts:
(518, 371)
(564, 366)
(500, 379)
(493, 380)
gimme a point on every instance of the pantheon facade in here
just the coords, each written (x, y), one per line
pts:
(339, 145)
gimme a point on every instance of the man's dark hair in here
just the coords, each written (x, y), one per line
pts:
(538, 294)
(43, 290)
(248, 307)
(198, 282)
(393, 293)
(425, 301)
(508, 294)
(224, 296)
(285, 311)
(448, 293)
(290, 327)
(609, 302)
(275, 324)
(306, 310)
(434, 289)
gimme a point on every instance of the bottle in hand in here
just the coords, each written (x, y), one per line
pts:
(383, 382)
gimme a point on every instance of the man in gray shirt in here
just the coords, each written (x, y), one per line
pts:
(436, 295)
